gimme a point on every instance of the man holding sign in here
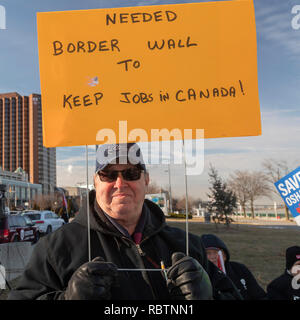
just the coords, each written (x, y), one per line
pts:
(156, 60)
(126, 233)
(130, 241)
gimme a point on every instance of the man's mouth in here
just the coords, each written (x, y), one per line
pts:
(121, 195)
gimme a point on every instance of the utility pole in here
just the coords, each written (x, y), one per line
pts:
(186, 200)
(170, 192)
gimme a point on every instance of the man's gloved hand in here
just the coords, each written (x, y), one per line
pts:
(187, 280)
(92, 281)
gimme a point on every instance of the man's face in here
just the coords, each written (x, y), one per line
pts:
(121, 199)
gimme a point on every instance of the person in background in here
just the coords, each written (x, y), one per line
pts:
(287, 286)
(63, 214)
(218, 253)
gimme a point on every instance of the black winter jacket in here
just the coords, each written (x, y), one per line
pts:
(58, 255)
(281, 288)
(244, 281)
(239, 274)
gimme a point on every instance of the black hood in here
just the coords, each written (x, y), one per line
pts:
(155, 218)
(210, 240)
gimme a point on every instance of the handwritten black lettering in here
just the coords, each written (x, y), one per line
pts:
(158, 16)
(156, 45)
(76, 101)
(135, 64)
(114, 45)
(124, 17)
(57, 46)
(137, 97)
(85, 47)
(146, 17)
(192, 94)
(110, 19)
(215, 92)
(135, 17)
(142, 17)
(66, 101)
(164, 96)
(232, 92)
(171, 16)
(80, 46)
(125, 63)
(126, 97)
(202, 94)
(103, 46)
(171, 44)
(71, 101)
(71, 47)
(86, 100)
(91, 46)
(98, 96)
(177, 96)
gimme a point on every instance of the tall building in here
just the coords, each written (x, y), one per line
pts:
(21, 140)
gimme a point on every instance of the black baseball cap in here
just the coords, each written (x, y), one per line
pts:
(122, 153)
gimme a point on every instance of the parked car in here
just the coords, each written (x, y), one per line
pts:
(45, 221)
(16, 228)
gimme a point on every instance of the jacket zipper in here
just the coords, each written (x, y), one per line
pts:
(142, 254)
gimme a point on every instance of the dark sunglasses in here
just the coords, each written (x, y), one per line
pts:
(130, 174)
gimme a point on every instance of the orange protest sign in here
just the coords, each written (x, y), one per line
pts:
(184, 66)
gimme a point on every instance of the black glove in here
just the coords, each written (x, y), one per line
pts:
(92, 281)
(187, 280)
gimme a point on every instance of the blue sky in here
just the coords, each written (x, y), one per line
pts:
(278, 51)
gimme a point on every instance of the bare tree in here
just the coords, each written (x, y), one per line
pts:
(174, 202)
(275, 170)
(239, 184)
(248, 187)
(47, 201)
(181, 205)
(153, 188)
(258, 187)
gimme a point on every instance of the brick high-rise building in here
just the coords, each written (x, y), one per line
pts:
(21, 139)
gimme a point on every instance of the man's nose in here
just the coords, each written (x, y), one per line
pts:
(120, 181)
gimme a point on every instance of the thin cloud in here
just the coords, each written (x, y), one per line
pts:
(274, 25)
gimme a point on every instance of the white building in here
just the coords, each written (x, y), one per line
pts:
(18, 190)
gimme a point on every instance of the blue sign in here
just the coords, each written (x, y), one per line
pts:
(289, 189)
